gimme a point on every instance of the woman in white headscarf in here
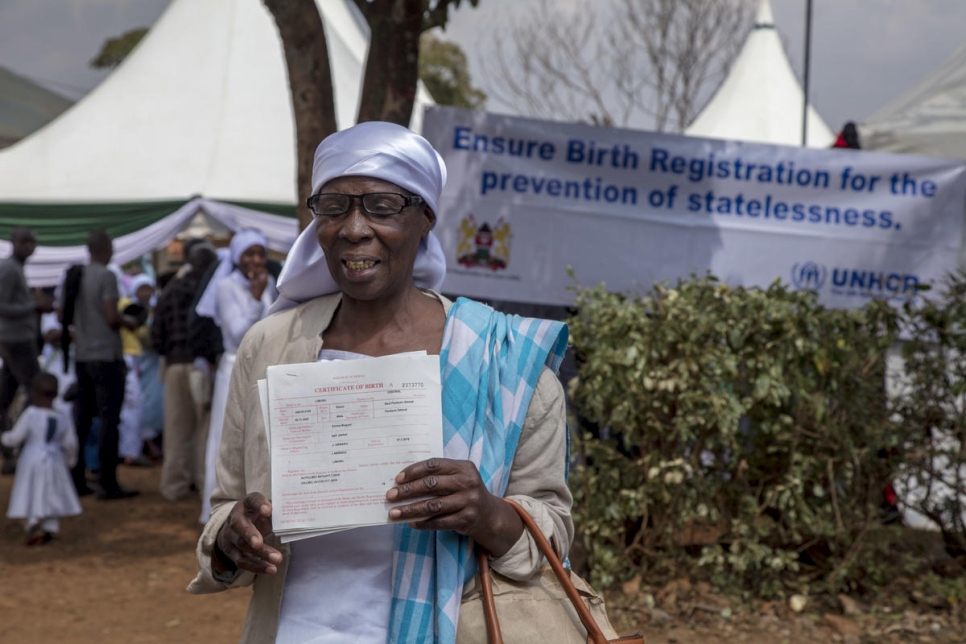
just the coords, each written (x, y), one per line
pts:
(363, 281)
(238, 295)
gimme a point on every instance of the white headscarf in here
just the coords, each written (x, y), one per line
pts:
(228, 261)
(136, 282)
(381, 151)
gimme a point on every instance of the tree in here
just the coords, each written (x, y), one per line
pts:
(114, 50)
(443, 69)
(627, 60)
(310, 83)
(389, 85)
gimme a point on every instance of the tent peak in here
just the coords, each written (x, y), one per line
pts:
(760, 100)
(765, 19)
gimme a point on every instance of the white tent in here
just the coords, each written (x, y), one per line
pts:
(760, 100)
(198, 117)
(929, 119)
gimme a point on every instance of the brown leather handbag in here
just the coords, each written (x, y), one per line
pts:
(537, 608)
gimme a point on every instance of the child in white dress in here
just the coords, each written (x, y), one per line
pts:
(43, 490)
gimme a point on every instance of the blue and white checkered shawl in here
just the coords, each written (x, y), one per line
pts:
(490, 363)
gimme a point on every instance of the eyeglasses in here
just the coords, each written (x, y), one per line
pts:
(380, 204)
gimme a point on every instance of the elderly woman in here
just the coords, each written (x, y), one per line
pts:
(362, 282)
(238, 295)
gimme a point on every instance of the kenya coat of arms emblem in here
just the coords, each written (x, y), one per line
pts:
(482, 246)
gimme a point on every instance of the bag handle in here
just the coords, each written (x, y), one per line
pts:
(594, 634)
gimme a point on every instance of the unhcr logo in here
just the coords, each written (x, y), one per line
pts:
(874, 283)
(812, 276)
(809, 276)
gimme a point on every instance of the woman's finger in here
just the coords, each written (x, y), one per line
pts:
(423, 509)
(258, 510)
(254, 563)
(451, 516)
(429, 467)
(432, 485)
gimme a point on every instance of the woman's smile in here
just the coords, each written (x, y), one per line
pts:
(359, 267)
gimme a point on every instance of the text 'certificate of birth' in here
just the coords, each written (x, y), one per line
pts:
(340, 432)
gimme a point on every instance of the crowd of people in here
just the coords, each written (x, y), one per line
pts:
(112, 371)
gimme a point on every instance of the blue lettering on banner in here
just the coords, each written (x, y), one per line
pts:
(465, 139)
(588, 153)
(769, 207)
(697, 169)
(706, 181)
(852, 281)
(589, 189)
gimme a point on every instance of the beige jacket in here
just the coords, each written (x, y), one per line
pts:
(537, 478)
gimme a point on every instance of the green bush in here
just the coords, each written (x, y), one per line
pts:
(746, 429)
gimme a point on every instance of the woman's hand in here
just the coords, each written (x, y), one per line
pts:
(460, 502)
(258, 280)
(241, 541)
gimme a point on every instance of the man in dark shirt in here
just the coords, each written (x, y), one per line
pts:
(18, 328)
(185, 421)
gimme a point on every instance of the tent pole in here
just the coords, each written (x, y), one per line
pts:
(808, 52)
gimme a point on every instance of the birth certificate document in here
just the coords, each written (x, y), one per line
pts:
(340, 432)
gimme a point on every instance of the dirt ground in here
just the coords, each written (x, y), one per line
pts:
(118, 574)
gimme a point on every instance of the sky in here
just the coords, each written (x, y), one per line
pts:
(864, 52)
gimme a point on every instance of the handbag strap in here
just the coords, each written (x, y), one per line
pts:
(489, 603)
(594, 634)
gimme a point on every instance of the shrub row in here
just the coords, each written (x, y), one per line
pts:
(746, 434)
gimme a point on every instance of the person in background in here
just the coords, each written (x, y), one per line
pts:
(152, 383)
(90, 301)
(139, 288)
(185, 417)
(238, 296)
(42, 491)
(18, 329)
(52, 360)
(206, 339)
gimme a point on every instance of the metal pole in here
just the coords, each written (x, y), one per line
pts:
(808, 52)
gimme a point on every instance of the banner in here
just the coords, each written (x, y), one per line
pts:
(526, 199)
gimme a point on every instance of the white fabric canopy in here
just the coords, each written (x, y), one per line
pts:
(929, 119)
(761, 101)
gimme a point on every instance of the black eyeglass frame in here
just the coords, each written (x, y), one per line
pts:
(408, 200)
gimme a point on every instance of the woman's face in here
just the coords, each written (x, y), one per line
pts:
(371, 256)
(252, 260)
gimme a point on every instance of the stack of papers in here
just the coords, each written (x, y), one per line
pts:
(340, 431)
